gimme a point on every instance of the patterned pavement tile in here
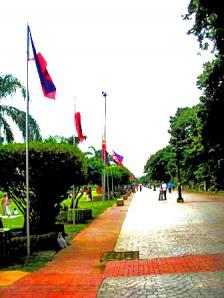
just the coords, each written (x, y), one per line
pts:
(162, 229)
(206, 285)
(177, 244)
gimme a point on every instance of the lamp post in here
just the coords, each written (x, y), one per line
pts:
(104, 140)
(180, 198)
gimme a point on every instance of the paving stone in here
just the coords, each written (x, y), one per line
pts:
(205, 285)
(187, 237)
(162, 229)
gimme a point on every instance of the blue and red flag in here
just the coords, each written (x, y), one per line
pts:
(107, 161)
(117, 158)
(47, 84)
(105, 155)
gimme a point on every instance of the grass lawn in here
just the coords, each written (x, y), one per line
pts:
(37, 260)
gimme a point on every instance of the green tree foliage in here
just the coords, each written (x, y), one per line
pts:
(211, 81)
(59, 140)
(121, 175)
(94, 152)
(208, 23)
(94, 170)
(185, 132)
(8, 87)
(186, 141)
(53, 169)
(209, 29)
(161, 166)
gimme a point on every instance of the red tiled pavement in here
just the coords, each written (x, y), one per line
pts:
(75, 271)
(171, 265)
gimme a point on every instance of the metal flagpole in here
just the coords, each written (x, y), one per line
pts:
(103, 176)
(73, 188)
(27, 149)
(104, 170)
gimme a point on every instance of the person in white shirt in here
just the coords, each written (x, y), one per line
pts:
(164, 187)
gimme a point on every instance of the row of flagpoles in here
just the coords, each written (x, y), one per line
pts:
(49, 90)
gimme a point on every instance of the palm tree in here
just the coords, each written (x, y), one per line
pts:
(8, 86)
(95, 153)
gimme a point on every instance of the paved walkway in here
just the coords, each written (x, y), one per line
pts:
(181, 249)
(181, 253)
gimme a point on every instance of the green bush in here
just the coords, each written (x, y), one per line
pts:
(53, 169)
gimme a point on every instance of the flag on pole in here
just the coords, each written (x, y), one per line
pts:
(103, 151)
(48, 87)
(117, 158)
(79, 127)
(107, 159)
(105, 154)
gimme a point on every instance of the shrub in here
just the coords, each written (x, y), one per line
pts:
(53, 168)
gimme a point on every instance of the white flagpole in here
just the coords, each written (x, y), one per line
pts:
(73, 189)
(74, 120)
(105, 130)
(27, 149)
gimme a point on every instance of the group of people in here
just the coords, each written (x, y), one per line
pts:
(163, 190)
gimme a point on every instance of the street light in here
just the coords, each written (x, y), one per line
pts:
(180, 198)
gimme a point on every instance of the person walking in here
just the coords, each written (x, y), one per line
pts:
(170, 186)
(140, 187)
(164, 189)
(161, 193)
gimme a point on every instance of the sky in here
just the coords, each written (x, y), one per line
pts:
(138, 51)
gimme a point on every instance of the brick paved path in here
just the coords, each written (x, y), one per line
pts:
(181, 249)
(76, 271)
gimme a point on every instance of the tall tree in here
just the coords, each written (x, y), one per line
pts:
(8, 87)
(208, 23)
(161, 166)
(209, 29)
